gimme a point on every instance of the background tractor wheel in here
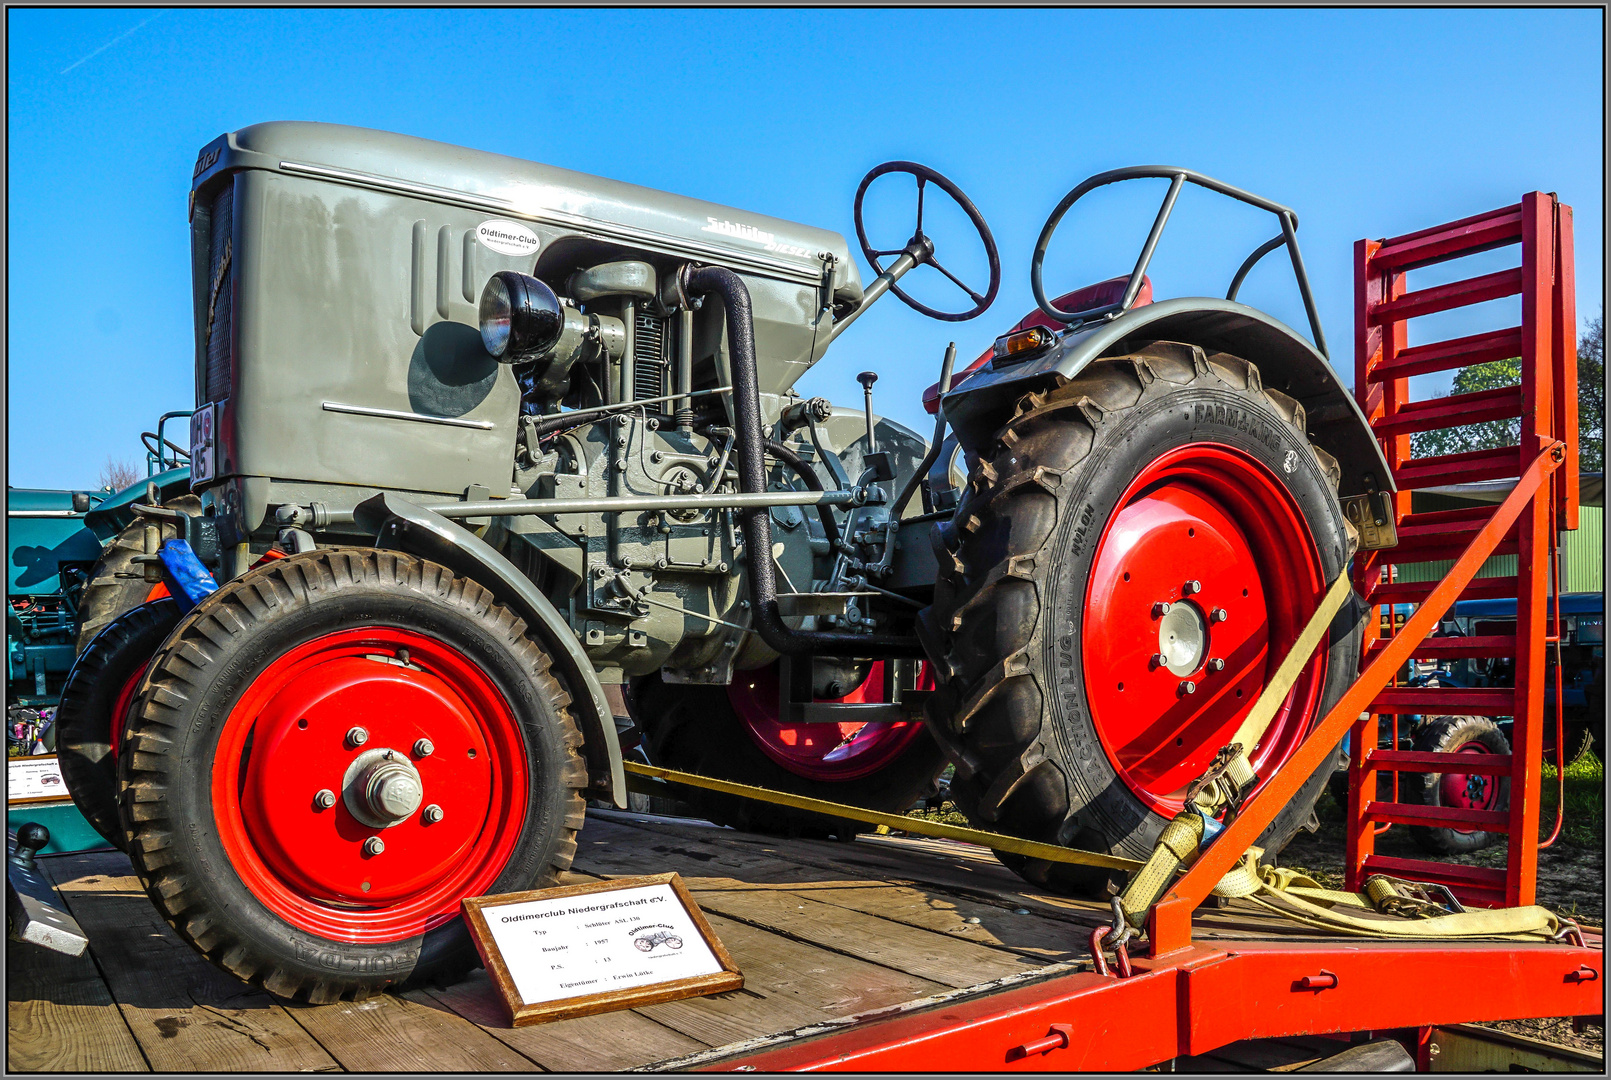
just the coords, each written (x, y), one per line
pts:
(117, 582)
(331, 753)
(95, 702)
(732, 733)
(1466, 735)
(1135, 551)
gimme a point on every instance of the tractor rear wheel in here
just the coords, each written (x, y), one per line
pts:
(329, 755)
(95, 702)
(734, 733)
(1135, 551)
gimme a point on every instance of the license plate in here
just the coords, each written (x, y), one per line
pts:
(203, 446)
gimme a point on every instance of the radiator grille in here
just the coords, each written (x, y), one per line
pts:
(648, 358)
(220, 293)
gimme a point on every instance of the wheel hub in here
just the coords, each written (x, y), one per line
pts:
(381, 788)
(1183, 638)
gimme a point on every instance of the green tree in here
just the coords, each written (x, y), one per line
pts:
(1491, 434)
(1591, 397)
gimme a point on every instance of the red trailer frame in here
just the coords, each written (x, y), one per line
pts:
(1187, 998)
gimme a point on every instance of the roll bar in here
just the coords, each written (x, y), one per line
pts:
(1178, 178)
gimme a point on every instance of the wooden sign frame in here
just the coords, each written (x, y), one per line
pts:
(522, 1013)
(62, 796)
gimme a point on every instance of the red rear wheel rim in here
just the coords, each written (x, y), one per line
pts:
(823, 751)
(1468, 791)
(1213, 515)
(285, 740)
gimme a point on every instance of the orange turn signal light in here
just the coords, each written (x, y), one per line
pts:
(1022, 343)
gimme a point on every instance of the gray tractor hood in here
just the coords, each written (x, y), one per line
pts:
(524, 190)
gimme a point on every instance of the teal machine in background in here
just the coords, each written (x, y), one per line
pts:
(53, 542)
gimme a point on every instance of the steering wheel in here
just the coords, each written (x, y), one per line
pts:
(925, 174)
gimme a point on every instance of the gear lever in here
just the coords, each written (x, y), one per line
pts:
(879, 465)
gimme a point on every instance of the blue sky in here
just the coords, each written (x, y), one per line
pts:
(1366, 122)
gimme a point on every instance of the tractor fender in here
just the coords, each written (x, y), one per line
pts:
(405, 526)
(1286, 361)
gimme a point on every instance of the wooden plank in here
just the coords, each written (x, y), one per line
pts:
(787, 984)
(60, 1017)
(938, 957)
(955, 870)
(389, 1033)
(186, 1014)
(1002, 923)
(602, 1043)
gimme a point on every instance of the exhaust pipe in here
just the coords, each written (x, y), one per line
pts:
(752, 479)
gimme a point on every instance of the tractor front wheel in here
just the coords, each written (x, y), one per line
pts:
(1136, 550)
(329, 755)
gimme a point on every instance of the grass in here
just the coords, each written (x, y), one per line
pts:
(1584, 822)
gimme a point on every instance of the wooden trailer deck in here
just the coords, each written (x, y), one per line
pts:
(822, 931)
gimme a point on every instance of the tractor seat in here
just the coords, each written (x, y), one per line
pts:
(1102, 293)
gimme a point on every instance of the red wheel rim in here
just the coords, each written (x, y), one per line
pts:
(121, 707)
(1210, 531)
(286, 740)
(1469, 791)
(823, 751)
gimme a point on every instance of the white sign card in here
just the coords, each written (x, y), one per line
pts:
(34, 779)
(593, 948)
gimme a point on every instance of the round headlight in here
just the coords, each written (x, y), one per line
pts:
(521, 318)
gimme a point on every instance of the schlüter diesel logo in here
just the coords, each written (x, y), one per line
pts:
(739, 231)
(204, 161)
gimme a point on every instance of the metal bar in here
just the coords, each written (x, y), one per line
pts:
(1289, 229)
(1172, 918)
(399, 414)
(1134, 285)
(1252, 261)
(610, 504)
(878, 288)
(1432, 761)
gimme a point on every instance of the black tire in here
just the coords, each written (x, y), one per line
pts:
(97, 680)
(1012, 709)
(213, 657)
(1445, 735)
(117, 582)
(695, 729)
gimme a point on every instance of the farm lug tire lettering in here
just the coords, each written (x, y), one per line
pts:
(243, 864)
(1033, 644)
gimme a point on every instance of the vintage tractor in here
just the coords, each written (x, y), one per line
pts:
(523, 433)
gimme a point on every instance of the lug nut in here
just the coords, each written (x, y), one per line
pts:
(357, 736)
(1219, 615)
(423, 748)
(432, 814)
(325, 799)
(1160, 609)
(374, 846)
(1193, 586)
(1216, 664)
(1159, 660)
(1188, 687)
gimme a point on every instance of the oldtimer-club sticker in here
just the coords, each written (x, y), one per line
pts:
(507, 237)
